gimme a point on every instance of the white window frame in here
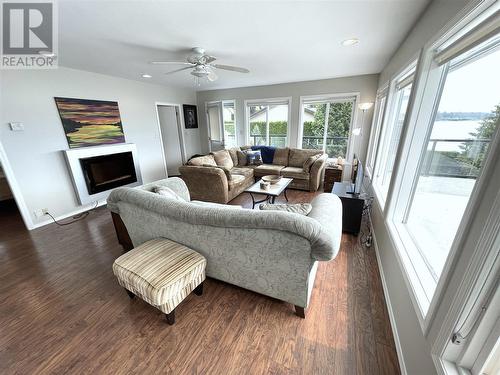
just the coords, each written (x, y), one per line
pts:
(377, 121)
(267, 102)
(390, 115)
(336, 98)
(215, 103)
(233, 102)
(421, 109)
(431, 79)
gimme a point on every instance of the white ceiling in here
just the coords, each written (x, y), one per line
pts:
(279, 41)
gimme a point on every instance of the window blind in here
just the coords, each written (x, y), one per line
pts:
(405, 82)
(329, 100)
(489, 28)
(266, 103)
(382, 93)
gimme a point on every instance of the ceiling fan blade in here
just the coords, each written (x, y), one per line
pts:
(170, 63)
(178, 70)
(233, 68)
(209, 59)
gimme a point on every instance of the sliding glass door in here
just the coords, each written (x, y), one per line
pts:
(221, 121)
(214, 122)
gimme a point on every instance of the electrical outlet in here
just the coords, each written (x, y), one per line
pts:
(41, 212)
(16, 126)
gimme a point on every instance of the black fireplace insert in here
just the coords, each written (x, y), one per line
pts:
(106, 172)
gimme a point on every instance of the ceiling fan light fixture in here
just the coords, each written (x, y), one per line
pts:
(202, 65)
(199, 73)
(350, 42)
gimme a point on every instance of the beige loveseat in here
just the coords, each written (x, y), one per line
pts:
(221, 176)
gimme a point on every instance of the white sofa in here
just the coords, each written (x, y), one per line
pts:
(270, 252)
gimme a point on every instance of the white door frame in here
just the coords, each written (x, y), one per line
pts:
(15, 189)
(220, 104)
(180, 127)
(235, 125)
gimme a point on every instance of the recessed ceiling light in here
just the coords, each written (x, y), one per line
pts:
(146, 76)
(350, 42)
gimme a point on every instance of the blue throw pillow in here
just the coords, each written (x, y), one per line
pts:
(267, 153)
(254, 157)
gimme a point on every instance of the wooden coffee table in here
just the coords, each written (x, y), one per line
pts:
(274, 191)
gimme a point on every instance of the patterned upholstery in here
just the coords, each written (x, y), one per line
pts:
(233, 152)
(296, 173)
(202, 160)
(310, 161)
(281, 156)
(236, 180)
(272, 253)
(223, 159)
(161, 272)
(298, 208)
(244, 171)
(297, 157)
(267, 169)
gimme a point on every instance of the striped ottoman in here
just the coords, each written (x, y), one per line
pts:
(162, 273)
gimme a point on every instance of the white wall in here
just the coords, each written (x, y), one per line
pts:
(415, 347)
(35, 153)
(366, 85)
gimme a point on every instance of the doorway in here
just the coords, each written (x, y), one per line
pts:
(13, 208)
(172, 137)
(10, 216)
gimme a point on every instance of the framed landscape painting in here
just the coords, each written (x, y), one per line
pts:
(90, 122)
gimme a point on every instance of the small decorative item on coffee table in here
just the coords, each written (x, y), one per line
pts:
(275, 189)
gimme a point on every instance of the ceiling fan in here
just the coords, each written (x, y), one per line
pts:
(202, 66)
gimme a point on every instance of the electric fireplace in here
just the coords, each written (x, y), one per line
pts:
(97, 170)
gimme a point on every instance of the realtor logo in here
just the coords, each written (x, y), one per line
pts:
(28, 35)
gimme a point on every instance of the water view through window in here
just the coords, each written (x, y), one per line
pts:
(467, 118)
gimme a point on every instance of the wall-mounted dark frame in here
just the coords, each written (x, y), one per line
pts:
(190, 116)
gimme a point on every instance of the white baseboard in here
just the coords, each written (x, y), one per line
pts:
(65, 216)
(399, 350)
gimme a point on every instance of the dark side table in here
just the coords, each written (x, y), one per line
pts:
(352, 207)
(332, 175)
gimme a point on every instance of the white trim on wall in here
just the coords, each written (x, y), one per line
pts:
(390, 312)
(180, 126)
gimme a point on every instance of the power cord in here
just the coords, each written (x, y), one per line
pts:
(75, 218)
(366, 239)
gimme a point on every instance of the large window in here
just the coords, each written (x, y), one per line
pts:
(442, 212)
(375, 131)
(390, 136)
(454, 120)
(326, 125)
(454, 152)
(267, 122)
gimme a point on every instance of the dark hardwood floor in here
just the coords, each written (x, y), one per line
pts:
(63, 312)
